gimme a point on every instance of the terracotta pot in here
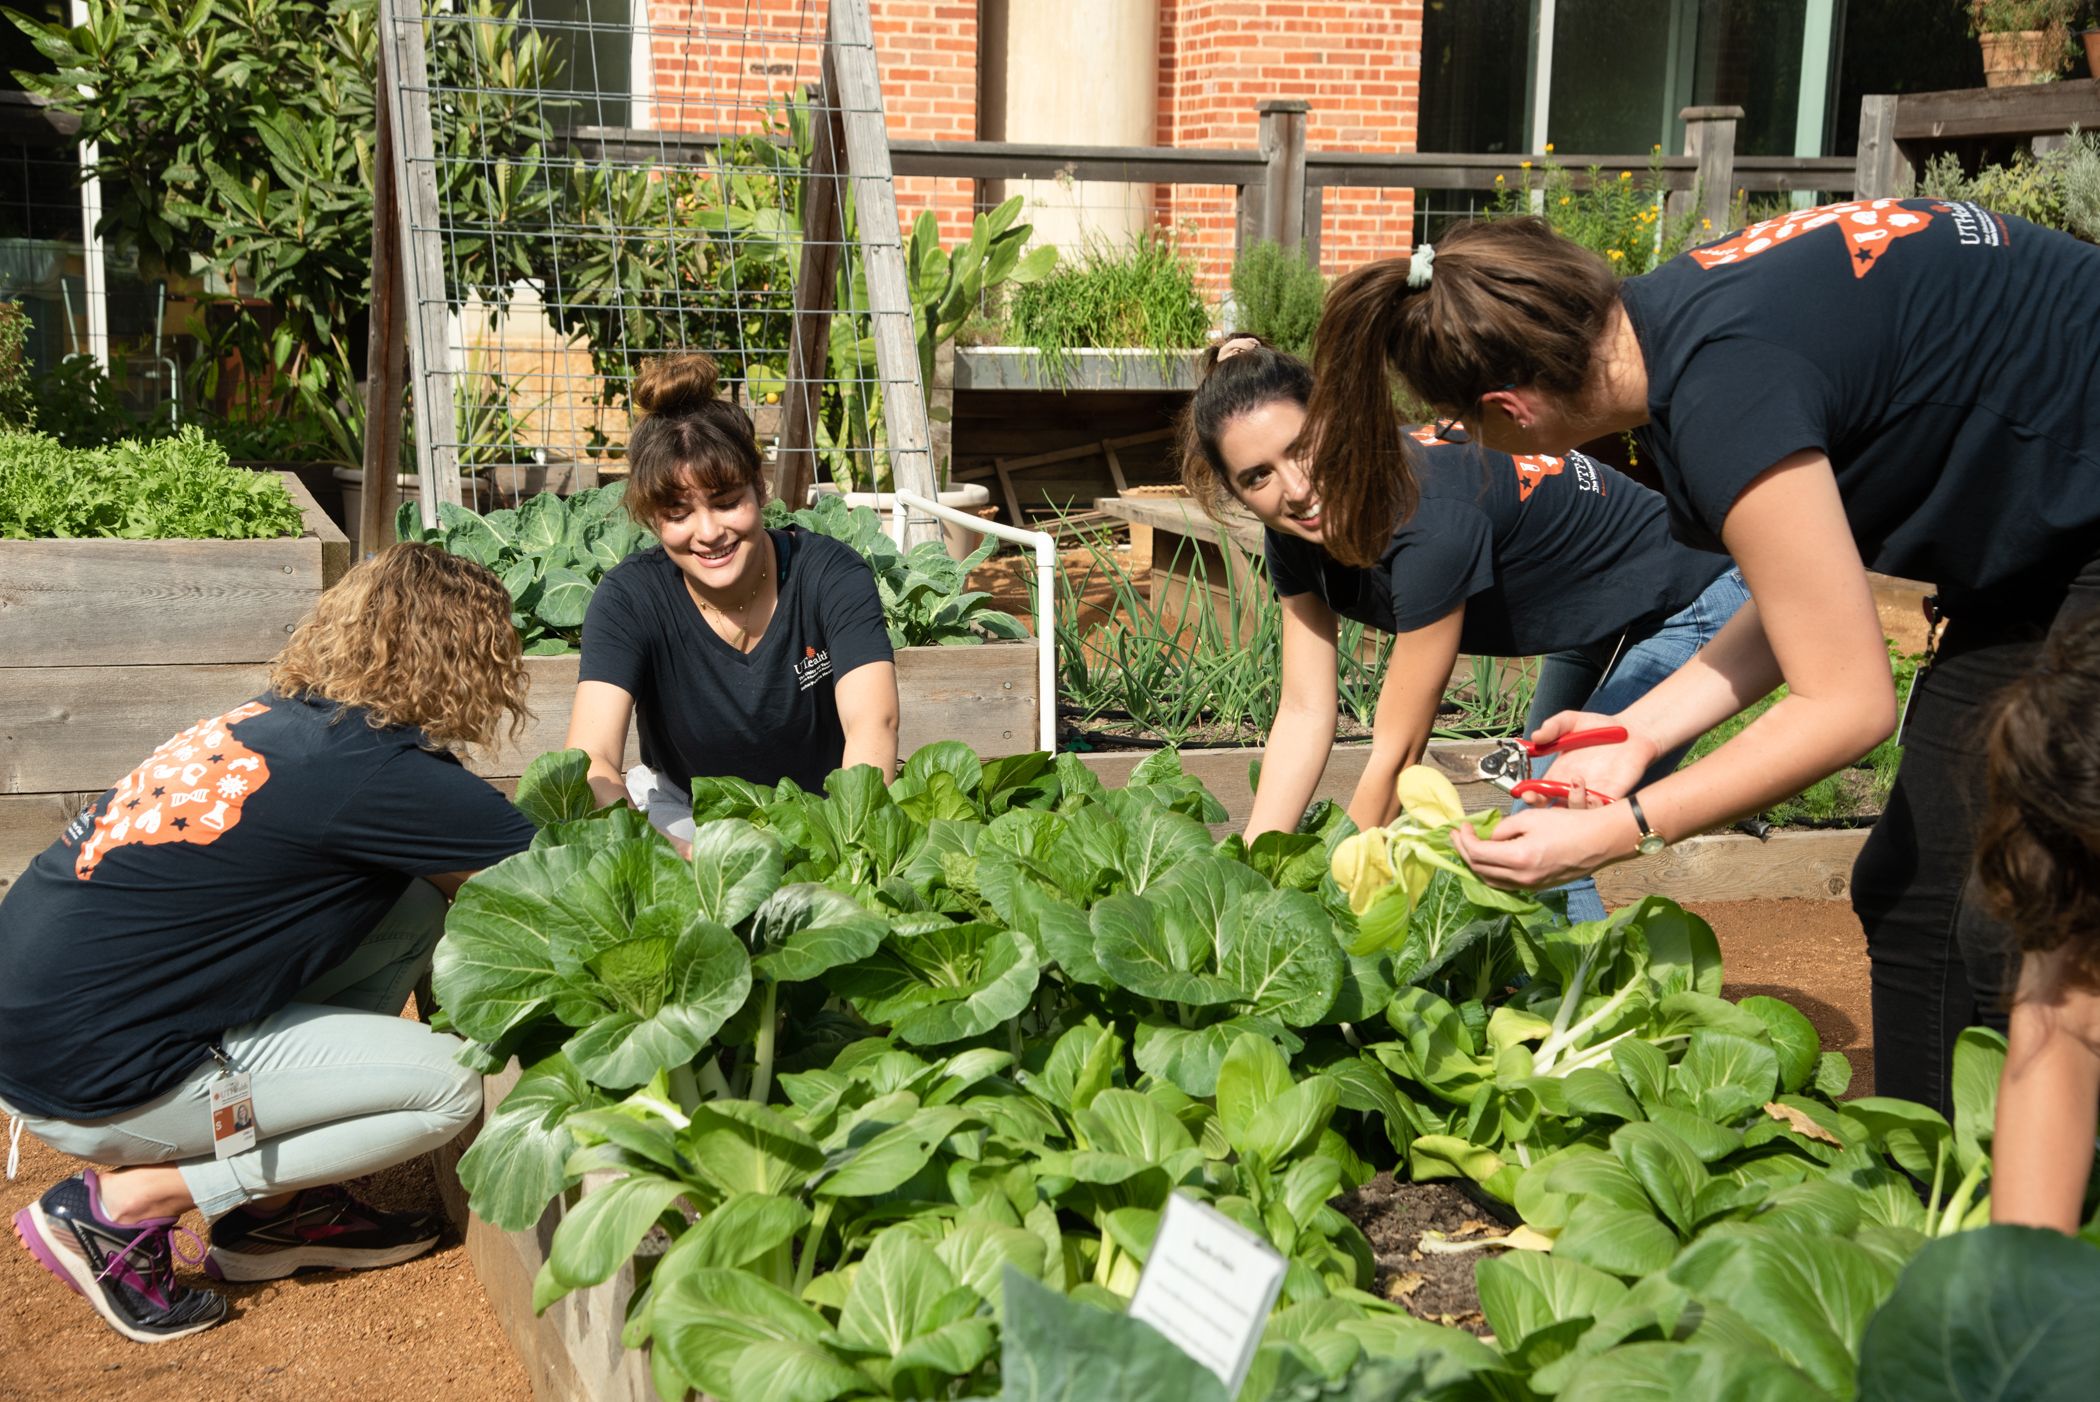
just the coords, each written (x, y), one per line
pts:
(2091, 40)
(2022, 57)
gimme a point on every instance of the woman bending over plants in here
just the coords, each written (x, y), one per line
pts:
(1911, 386)
(202, 979)
(740, 651)
(2039, 862)
(1503, 557)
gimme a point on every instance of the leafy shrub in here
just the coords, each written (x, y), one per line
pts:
(1143, 294)
(17, 409)
(2057, 189)
(1621, 217)
(925, 595)
(550, 553)
(177, 488)
(1277, 295)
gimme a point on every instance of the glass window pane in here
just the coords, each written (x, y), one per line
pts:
(1612, 80)
(1476, 58)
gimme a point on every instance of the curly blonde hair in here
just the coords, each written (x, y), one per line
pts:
(416, 637)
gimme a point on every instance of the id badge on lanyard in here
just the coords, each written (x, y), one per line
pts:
(232, 1109)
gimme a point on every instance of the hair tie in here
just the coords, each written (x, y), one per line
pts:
(1234, 345)
(1420, 267)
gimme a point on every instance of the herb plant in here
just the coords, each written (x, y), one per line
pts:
(1276, 294)
(178, 488)
(1143, 295)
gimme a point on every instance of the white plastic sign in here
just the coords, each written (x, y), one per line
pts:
(1209, 1285)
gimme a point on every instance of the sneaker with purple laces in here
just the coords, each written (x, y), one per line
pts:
(320, 1229)
(126, 1270)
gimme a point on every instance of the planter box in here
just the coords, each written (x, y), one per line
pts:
(572, 1353)
(982, 696)
(1724, 866)
(114, 645)
(1021, 367)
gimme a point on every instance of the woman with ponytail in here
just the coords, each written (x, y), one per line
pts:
(1910, 386)
(741, 652)
(1499, 556)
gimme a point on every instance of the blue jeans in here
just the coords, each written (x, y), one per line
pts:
(1608, 676)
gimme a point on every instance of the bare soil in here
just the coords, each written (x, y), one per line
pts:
(1813, 954)
(1434, 1286)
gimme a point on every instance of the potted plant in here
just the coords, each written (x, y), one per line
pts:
(2090, 37)
(2023, 41)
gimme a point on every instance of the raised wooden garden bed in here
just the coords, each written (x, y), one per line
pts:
(114, 645)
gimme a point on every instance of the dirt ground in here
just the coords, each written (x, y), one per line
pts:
(1428, 1285)
(425, 1329)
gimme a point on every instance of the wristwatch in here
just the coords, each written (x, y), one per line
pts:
(1651, 841)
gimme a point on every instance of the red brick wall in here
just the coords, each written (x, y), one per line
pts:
(718, 61)
(1357, 63)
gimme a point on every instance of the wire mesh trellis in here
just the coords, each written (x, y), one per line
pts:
(585, 184)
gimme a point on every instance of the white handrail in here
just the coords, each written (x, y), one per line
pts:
(1045, 601)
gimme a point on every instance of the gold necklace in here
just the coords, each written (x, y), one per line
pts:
(743, 634)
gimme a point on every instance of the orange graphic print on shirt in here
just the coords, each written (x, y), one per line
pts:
(1532, 468)
(1868, 227)
(190, 790)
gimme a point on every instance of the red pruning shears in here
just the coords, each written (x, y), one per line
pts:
(1508, 765)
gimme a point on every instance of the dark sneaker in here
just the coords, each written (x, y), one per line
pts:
(126, 1272)
(321, 1229)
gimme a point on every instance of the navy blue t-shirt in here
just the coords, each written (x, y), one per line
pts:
(1545, 553)
(1945, 358)
(702, 706)
(246, 857)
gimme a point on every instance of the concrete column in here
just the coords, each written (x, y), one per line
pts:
(1080, 73)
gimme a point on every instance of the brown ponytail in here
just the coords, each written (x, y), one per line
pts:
(688, 438)
(1232, 385)
(1508, 302)
(2038, 856)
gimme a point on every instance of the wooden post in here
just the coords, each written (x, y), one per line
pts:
(940, 411)
(1709, 135)
(849, 42)
(423, 260)
(1283, 122)
(816, 292)
(1880, 169)
(386, 351)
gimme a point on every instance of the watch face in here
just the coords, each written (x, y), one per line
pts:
(1652, 843)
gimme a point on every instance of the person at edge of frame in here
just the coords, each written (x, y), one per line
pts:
(2037, 861)
(202, 978)
(739, 651)
(1905, 385)
(1504, 557)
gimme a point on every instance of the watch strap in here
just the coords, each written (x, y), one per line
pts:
(1640, 820)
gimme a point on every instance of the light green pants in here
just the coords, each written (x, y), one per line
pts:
(343, 1084)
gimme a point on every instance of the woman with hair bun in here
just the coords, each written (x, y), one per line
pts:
(1905, 385)
(1503, 557)
(739, 651)
(2039, 866)
(202, 979)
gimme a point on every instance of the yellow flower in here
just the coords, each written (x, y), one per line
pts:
(1563, 199)
(1616, 255)
(1656, 147)
(1525, 164)
(1498, 178)
(1625, 175)
(1706, 224)
(1549, 148)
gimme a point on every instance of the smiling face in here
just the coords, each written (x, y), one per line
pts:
(1262, 473)
(714, 538)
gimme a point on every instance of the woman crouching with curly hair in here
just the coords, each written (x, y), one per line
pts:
(202, 979)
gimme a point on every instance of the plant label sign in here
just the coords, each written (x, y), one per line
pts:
(1209, 1285)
